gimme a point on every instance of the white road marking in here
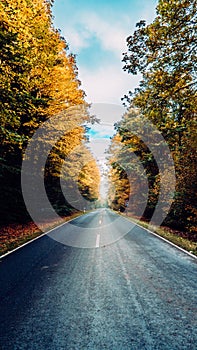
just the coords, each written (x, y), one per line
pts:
(98, 240)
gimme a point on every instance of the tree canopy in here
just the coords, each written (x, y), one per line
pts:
(164, 52)
(38, 81)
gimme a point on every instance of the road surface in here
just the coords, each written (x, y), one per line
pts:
(123, 288)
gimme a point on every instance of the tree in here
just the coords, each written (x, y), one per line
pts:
(164, 52)
(119, 189)
(135, 174)
(38, 81)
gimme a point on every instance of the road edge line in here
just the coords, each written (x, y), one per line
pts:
(34, 239)
(162, 238)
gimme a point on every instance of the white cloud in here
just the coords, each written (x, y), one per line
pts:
(111, 33)
(76, 36)
(107, 84)
(112, 37)
(88, 26)
(98, 148)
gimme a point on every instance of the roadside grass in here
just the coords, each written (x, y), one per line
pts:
(14, 235)
(169, 234)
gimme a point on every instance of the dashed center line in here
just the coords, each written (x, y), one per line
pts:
(98, 240)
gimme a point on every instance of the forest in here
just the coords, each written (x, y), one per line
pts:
(39, 86)
(164, 52)
(39, 83)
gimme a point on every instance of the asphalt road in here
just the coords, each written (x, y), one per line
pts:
(119, 288)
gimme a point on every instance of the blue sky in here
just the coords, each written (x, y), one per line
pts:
(96, 32)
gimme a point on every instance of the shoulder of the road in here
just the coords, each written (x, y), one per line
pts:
(162, 238)
(36, 238)
(97, 245)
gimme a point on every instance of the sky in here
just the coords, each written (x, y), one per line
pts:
(96, 33)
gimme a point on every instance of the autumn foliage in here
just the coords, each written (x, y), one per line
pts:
(164, 52)
(38, 81)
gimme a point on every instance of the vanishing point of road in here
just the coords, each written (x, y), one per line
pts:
(98, 282)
